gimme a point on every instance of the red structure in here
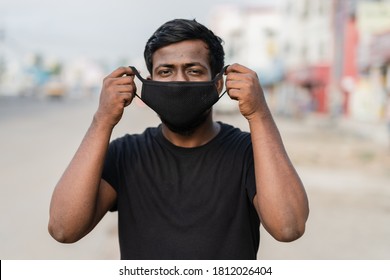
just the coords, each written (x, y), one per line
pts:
(316, 79)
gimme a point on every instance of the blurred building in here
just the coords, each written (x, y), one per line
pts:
(10, 67)
(250, 35)
(328, 57)
(307, 49)
(336, 57)
(21, 73)
(373, 86)
(25, 73)
(291, 47)
(380, 59)
(83, 77)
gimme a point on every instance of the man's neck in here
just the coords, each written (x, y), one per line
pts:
(200, 136)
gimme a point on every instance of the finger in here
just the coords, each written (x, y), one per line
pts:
(235, 77)
(233, 93)
(126, 89)
(239, 84)
(237, 68)
(126, 98)
(242, 81)
(121, 71)
(125, 80)
(233, 84)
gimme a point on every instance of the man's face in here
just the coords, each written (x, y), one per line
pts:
(183, 61)
(186, 61)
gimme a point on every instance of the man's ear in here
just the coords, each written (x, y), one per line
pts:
(220, 85)
(149, 77)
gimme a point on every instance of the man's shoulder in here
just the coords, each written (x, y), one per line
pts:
(230, 130)
(143, 137)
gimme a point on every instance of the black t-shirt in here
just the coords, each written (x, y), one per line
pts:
(184, 203)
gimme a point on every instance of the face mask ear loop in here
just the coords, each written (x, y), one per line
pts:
(138, 76)
(220, 75)
(222, 94)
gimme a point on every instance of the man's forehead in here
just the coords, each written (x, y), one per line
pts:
(183, 53)
(188, 47)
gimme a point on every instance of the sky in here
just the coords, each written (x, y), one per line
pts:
(99, 29)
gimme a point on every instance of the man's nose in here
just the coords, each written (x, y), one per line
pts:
(181, 76)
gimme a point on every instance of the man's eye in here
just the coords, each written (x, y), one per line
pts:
(164, 72)
(195, 71)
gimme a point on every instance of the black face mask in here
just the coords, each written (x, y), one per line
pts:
(182, 106)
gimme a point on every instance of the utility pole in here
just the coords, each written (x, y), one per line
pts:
(335, 97)
(2, 58)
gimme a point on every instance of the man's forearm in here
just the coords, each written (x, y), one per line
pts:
(281, 198)
(74, 199)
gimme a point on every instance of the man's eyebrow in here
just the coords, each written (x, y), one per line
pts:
(166, 65)
(186, 65)
(194, 64)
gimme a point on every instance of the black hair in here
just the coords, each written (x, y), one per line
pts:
(178, 30)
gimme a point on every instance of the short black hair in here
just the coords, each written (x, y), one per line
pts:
(179, 30)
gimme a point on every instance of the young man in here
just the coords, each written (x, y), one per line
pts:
(191, 188)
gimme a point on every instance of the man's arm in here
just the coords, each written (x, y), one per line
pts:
(81, 198)
(280, 200)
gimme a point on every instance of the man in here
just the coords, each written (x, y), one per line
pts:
(191, 188)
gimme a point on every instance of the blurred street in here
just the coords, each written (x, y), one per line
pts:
(344, 165)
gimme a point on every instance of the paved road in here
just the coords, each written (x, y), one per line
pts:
(347, 178)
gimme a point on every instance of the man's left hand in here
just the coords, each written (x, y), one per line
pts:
(243, 85)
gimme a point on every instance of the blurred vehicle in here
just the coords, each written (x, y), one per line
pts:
(55, 88)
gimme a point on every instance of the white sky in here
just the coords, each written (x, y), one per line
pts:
(108, 29)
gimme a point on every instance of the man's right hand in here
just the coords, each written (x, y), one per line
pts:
(118, 91)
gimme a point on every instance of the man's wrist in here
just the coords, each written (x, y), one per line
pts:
(101, 123)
